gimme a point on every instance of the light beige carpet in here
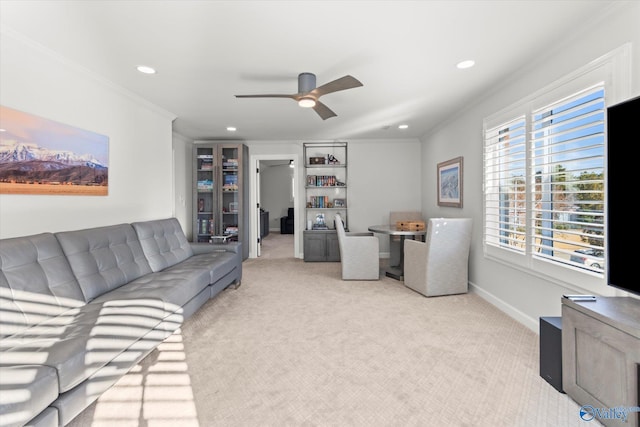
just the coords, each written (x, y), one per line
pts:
(297, 346)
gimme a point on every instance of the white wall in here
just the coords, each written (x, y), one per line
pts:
(183, 183)
(40, 82)
(524, 296)
(384, 176)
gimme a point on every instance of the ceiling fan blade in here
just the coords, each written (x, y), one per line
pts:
(273, 95)
(343, 83)
(323, 111)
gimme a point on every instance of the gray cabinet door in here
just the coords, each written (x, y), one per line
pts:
(601, 354)
(333, 247)
(315, 247)
(321, 246)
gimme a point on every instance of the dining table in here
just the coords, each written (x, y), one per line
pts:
(397, 271)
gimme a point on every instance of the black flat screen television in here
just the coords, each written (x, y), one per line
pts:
(623, 169)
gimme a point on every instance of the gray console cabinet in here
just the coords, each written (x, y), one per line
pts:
(321, 246)
(601, 354)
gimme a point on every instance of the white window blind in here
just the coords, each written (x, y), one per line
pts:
(544, 182)
(505, 185)
(567, 180)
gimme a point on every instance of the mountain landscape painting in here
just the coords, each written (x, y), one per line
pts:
(41, 156)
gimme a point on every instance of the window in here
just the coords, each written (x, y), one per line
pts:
(567, 158)
(544, 179)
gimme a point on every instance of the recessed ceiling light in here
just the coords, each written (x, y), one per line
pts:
(403, 126)
(231, 129)
(146, 70)
(466, 64)
(2, 130)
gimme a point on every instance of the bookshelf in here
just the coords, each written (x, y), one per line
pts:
(325, 196)
(221, 194)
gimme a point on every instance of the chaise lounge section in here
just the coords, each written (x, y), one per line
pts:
(78, 309)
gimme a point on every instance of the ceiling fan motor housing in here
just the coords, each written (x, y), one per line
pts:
(306, 82)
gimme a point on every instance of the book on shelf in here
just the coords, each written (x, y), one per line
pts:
(206, 226)
(205, 184)
(319, 202)
(321, 181)
(231, 179)
(205, 156)
(230, 163)
(230, 182)
(231, 229)
(206, 164)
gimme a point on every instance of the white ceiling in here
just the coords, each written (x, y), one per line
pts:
(205, 52)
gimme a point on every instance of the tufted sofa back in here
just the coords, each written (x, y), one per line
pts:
(104, 258)
(36, 282)
(163, 242)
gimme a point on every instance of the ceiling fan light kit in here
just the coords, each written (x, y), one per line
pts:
(308, 94)
(307, 102)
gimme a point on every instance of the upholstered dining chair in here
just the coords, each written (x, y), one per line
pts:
(395, 241)
(359, 254)
(440, 265)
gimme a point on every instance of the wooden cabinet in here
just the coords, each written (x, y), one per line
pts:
(321, 246)
(601, 356)
(221, 193)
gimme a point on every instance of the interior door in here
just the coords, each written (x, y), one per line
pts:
(258, 216)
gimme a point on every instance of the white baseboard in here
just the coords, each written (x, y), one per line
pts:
(527, 321)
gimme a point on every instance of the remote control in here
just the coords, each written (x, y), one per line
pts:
(580, 297)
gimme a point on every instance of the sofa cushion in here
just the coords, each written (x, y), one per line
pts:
(218, 263)
(82, 341)
(36, 282)
(163, 242)
(25, 391)
(173, 287)
(104, 258)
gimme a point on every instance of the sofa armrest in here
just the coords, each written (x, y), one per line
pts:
(203, 248)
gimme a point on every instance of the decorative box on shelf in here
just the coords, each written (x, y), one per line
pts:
(317, 160)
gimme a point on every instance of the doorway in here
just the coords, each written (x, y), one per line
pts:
(285, 196)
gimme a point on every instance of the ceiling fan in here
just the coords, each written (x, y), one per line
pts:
(308, 95)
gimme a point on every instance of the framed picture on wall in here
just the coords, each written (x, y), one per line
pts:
(42, 156)
(450, 183)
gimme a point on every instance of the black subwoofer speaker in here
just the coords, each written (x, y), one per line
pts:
(551, 351)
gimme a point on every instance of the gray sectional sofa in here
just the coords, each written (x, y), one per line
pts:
(78, 309)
